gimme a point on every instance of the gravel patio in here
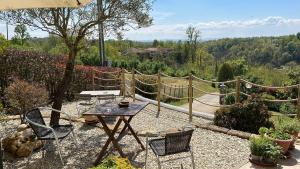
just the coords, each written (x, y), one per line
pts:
(212, 150)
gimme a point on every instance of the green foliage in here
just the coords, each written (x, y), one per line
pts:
(229, 99)
(287, 124)
(288, 108)
(113, 162)
(278, 134)
(239, 66)
(3, 44)
(274, 134)
(225, 73)
(258, 145)
(249, 116)
(21, 35)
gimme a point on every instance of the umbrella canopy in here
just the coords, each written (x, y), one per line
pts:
(27, 4)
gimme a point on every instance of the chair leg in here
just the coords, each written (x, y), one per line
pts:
(192, 158)
(59, 151)
(158, 162)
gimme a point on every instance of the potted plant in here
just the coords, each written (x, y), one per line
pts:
(280, 137)
(264, 151)
(288, 125)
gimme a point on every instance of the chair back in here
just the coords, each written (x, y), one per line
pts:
(178, 142)
(35, 118)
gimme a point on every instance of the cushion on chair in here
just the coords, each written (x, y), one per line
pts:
(61, 132)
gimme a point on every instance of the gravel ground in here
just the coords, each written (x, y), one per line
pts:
(211, 150)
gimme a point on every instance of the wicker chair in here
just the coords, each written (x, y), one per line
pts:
(172, 143)
(84, 103)
(46, 133)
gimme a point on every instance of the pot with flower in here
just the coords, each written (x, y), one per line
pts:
(264, 151)
(280, 137)
(288, 125)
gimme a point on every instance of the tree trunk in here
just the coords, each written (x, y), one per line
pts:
(63, 87)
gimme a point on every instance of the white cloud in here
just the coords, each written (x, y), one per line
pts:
(275, 25)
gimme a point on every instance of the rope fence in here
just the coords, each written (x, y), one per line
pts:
(184, 91)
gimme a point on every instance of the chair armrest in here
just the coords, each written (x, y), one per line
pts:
(59, 111)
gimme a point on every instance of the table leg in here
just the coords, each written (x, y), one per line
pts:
(132, 131)
(124, 129)
(110, 139)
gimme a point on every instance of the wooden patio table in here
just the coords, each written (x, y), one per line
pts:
(125, 114)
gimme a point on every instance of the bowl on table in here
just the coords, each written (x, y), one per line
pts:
(123, 104)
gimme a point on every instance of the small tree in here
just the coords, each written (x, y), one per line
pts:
(23, 96)
(21, 34)
(193, 35)
(225, 73)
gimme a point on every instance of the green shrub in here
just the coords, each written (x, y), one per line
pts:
(275, 134)
(230, 99)
(258, 145)
(287, 124)
(288, 108)
(225, 73)
(249, 116)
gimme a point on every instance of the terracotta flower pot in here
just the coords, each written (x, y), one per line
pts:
(295, 137)
(284, 144)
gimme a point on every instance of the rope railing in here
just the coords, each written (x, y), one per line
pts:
(248, 95)
(175, 87)
(211, 104)
(106, 72)
(269, 87)
(107, 86)
(209, 81)
(144, 83)
(186, 88)
(99, 78)
(140, 73)
(183, 77)
(215, 94)
(173, 97)
(151, 93)
(278, 101)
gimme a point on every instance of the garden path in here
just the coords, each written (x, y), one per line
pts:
(200, 107)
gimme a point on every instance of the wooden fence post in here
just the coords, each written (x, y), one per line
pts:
(298, 115)
(93, 79)
(190, 96)
(133, 85)
(123, 82)
(158, 91)
(237, 89)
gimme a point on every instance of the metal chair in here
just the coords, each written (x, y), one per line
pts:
(46, 133)
(172, 143)
(84, 103)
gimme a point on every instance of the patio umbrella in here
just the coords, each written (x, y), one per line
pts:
(27, 4)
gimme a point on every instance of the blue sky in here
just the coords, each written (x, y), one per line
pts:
(221, 18)
(215, 19)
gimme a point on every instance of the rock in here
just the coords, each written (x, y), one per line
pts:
(22, 127)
